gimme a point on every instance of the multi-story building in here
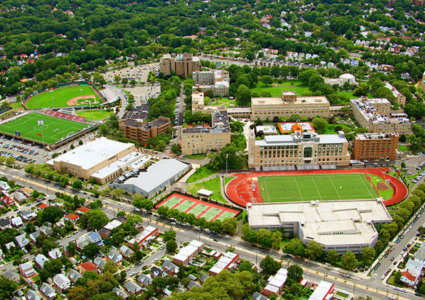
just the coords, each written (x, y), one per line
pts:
(375, 116)
(289, 104)
(140, 130)
(218, 81)
(200, 139)
(198, 104)
(179, 64)
(303, 149)
(375, 146)
(399, 97)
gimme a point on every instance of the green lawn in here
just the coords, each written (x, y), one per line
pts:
(276, 91)
(196, 156)
(53, 129)
(350, 95)
(386, 194)
(61, 97)
(223, 101)
(200, 173)
(330, 128)
(315, 187)
(403, 148)
(96, 114)
(211, 185)
(228, 179)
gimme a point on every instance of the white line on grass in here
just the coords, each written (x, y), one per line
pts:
(335, 188)
(317, 189)
(302, 198)
(363, 181)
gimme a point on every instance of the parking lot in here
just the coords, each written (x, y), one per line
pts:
(22, 151)
(138, 73)
(143, 92)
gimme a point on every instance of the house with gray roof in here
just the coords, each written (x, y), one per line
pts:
(258, 296)
(34, 236)
(120, 292)
(40, 260)
(100, 263)
(32, 295)
(47, 291)
(170, 268)
(28, 215)
(126, 252)
(22, 240)
(132, 288)
(4, 223)
(12, 275)
(55, 253)
(157, 272)
(27, 270)
(74, 275)
(94, 237)
(144, 279)
(115, 256)
(420, 254)
(10, 245)
(204, 277)
(46, 230)
(192, 284)
(61, 282)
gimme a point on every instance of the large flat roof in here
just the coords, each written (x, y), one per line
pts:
(93, 153)
(134, 159)
(295, 139)
(156, 174)
(328, 223)
(279, 100)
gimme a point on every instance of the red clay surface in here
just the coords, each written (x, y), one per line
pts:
(210, 205)
(239, 190)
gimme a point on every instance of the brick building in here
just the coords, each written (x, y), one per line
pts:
(179, 64)
(375, 146)
(140, 130)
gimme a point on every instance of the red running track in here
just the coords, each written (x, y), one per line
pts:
(239, 190)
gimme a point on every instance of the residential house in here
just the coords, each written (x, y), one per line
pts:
(132, 288)
(40, 260)
(4, 186)
(10, 245)
(122, 219)
(71, 217)
(144, 279)
(55, 253)
(27, 191)
(61, 282)
(46, 229)
(275, 283)
(22, 240)
(73, 276)
(186, 254)
(170, 268)
(105, 232)
(28, 215)
(258, 296)
(115, 256)
(87, 266)
(12, 275)
(7, 200)
(81, 242)
(32, 295)
(192, 284)
(16, 222)
(100, 263)
(4, 223)
(19, 197)
(59, 224)
(42, 206)
(420, 254)
(120, 292)
(409, 278)
(94, 237)
(204, 277)
(157, 272)
(34, 236)
(82, 210)
(126, 252)
(27, 270)
(47, 291)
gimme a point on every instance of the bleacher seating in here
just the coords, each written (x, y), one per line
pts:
(65, 116)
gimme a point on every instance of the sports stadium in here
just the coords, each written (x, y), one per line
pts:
(312, 185)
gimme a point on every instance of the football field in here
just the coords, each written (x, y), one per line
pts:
(323, 187)
(53, 130)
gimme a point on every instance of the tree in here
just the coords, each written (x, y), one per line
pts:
(332, 256)
(95, 218)
(314, 250)
(243, 96)
(295, 273)
(294, 245)
(110, 267)
(230, 225)
(169, 235)
(245, 265)
(276, 239)
(320, 124)
(77, 184)
(51, 214)
(171, 246)
(175, 148)
(10, 161)
(349, 260)
(368, 255)
(7, 288)
(267, 80)
(118, 193)
(269, 265)
(91, 250)
(71, 248)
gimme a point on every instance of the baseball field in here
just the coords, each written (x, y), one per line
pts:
(53, 130)
(64, 97)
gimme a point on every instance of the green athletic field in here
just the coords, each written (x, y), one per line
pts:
(53, 129)
(61, 97)
(225, 215)
(315, 187)
(95, 114)
(211, 213)
(197, 209)
(185, 205)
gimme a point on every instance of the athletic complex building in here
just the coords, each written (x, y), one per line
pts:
(336, 225)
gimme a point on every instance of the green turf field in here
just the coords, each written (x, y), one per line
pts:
(53, 129)
(185, 205)
(315, 187)
(61, 97)
(225, 215)
(96, 114)
(211, 213)
(197, 209)
(171, 202)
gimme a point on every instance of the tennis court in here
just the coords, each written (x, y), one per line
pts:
(185, 205)
(173, 201)
(316, 187)
(211, 213)
(198, 209)
(201, 209)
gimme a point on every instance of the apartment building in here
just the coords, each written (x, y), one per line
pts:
(179, 64)
(304, 150)
(375, 146)
(140, 130)
(200, 139)
(375, 116)
(217, 81)
(289, 104)
(399, 97)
